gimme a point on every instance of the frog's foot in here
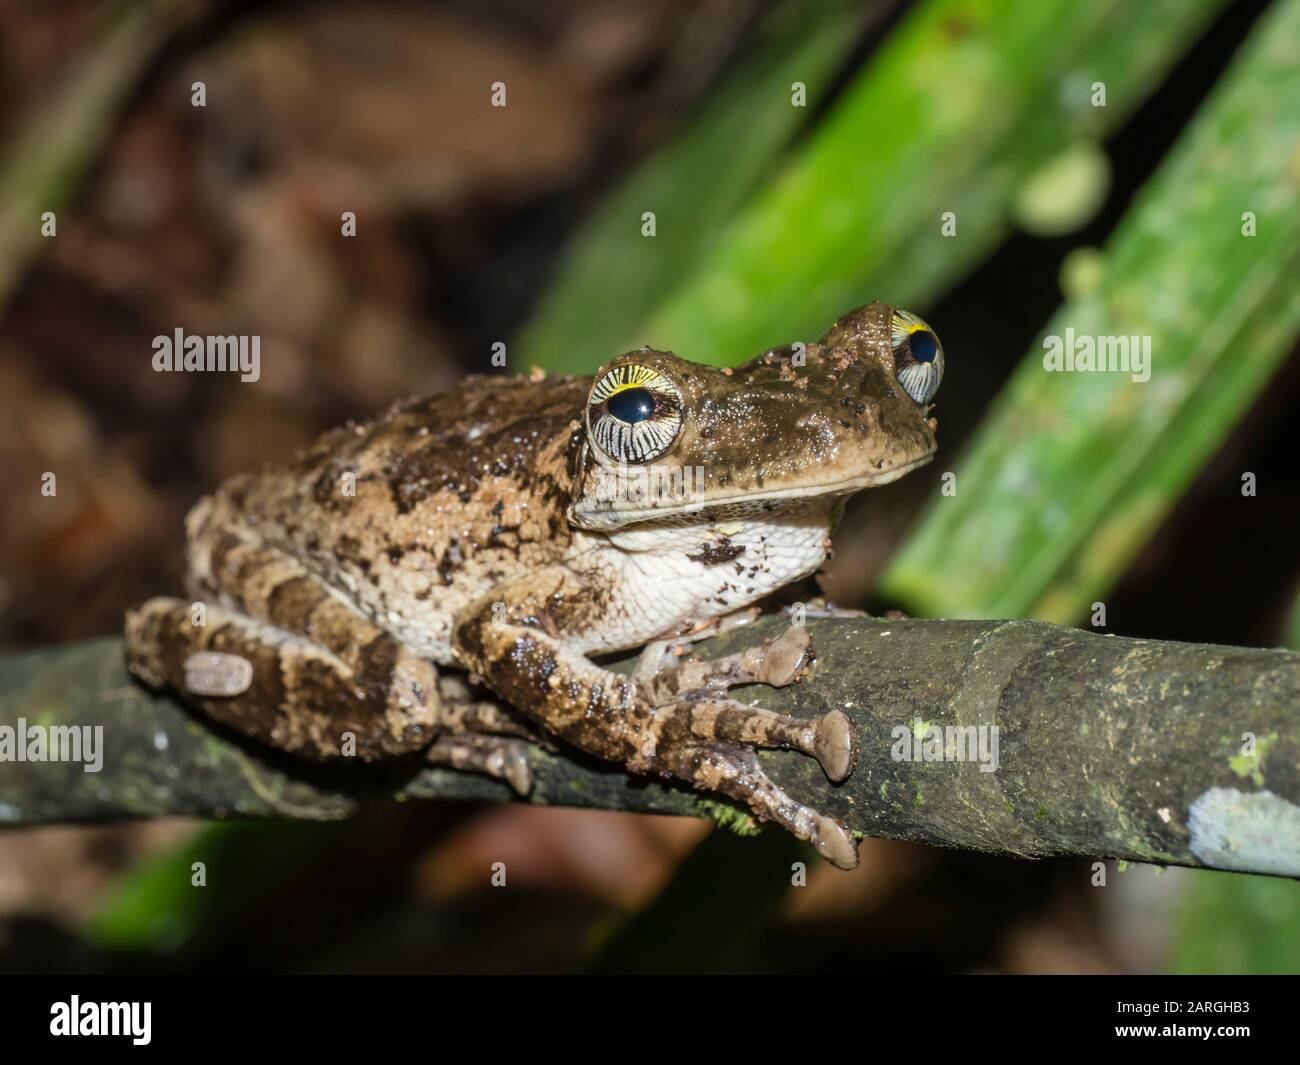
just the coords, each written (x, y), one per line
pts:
(465, 709)
(734, 771)
(495, 756)
(695, 689)
(680, 726)
(829, 738)
(776, 662)
(659, 655)
(700, 734)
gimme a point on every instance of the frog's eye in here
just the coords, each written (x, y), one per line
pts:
(918, 356)
(634, 413)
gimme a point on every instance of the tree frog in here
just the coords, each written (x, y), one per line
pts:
(440, 581)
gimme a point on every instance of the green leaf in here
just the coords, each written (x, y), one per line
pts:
(611, 276)
(1071, 472)
(1229, 923)
(965, 102)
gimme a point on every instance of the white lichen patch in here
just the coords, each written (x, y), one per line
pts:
(1256, 832)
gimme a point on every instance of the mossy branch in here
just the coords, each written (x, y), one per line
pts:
(1105, 747)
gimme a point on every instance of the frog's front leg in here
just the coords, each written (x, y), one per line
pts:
(522, 640)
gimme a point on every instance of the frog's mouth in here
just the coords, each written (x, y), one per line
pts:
(602, 515)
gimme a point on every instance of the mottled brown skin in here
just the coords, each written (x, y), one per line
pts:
(405, 578)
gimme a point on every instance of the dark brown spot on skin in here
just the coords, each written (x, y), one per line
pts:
(450, 562)
(349, 549)
(717, 552)
(221, 551)
(292, 602)
(327, 488)
(379, 657)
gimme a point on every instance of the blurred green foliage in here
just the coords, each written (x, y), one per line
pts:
(964, 102)
(609, 274)
(1071, 472)
(1228, 923)
(49, 155)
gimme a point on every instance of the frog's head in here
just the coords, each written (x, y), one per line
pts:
(666, 438)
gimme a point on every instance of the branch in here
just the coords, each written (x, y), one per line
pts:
(1105, 747)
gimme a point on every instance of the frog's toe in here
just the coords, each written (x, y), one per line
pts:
(494, 756)
(834, 843)
(835, 745)
(830, 739)
(516, 771)
(216, 675)
(821, 607)
(736, 772)
(786, 657)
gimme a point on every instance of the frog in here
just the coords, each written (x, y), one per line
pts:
(447, 581)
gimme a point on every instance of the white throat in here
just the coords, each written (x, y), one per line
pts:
(669, 577)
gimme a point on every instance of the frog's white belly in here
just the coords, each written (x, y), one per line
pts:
(662, 579)
(650, 581)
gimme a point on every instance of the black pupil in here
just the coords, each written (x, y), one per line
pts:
(925, 345)
(632, 405)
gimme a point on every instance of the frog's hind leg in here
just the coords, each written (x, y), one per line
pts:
(258, 591)
(282, 689)
(297, 696)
